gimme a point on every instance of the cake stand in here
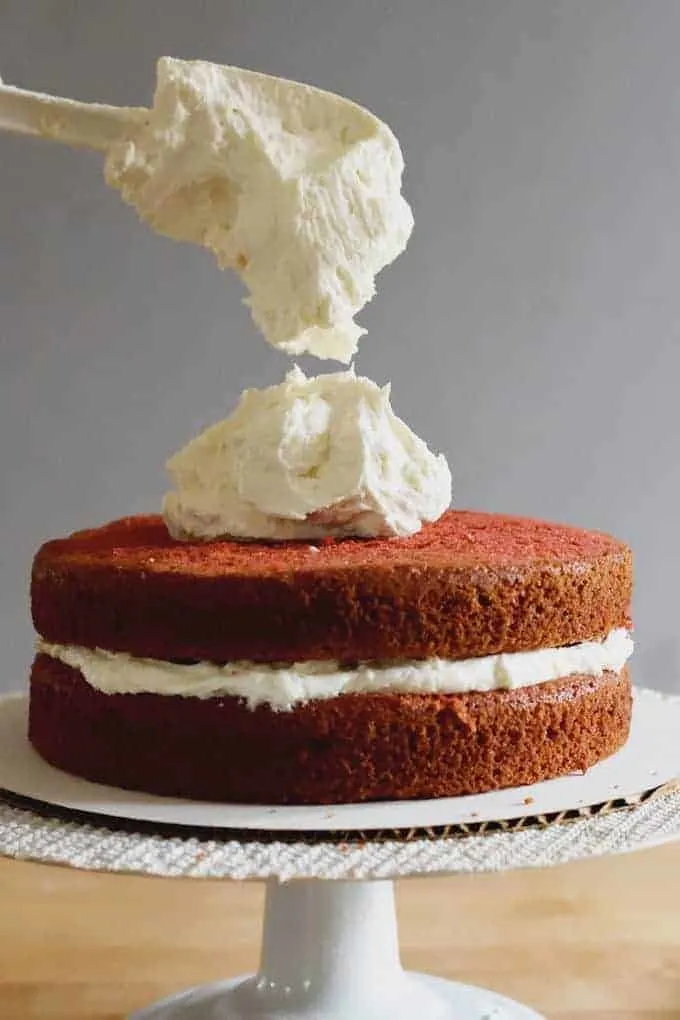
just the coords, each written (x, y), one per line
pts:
(330, 947)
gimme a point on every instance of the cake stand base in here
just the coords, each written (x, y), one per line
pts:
(330, 952)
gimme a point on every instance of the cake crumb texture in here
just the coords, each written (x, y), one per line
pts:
(470, 584)
(349, 749)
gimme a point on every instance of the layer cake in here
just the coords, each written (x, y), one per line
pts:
(348, 670)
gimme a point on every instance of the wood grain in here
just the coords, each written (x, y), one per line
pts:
(598, 940)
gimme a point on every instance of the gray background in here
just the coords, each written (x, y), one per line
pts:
(531, 330)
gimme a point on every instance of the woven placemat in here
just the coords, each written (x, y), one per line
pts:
(42, 835)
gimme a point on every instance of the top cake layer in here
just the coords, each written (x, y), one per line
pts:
(470, 584)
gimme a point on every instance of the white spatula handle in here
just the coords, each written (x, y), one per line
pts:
(90, 125)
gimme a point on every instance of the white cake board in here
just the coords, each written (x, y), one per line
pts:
(330, 948)
(650, 758)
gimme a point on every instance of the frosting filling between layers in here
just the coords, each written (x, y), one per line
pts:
(284, 686)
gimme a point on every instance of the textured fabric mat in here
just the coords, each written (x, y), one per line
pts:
(28, 835)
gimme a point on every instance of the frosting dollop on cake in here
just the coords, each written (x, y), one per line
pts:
(305, 459)
(297, 190)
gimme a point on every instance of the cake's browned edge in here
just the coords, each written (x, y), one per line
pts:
(392, 610)
(347, 749)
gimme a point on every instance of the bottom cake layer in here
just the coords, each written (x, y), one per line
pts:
(355, 747)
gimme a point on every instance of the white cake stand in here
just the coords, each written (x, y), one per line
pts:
(330, 950)
(330, 946)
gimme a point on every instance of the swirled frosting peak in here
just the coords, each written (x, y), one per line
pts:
(305, 459)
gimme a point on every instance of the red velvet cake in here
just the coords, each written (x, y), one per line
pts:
(484, 651)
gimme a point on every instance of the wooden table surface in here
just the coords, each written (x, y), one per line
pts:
(597, 939)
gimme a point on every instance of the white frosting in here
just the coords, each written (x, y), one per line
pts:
(296, 189)
(305, 459)
(282, 687)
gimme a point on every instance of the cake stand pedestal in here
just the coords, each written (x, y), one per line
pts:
(330, 952)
